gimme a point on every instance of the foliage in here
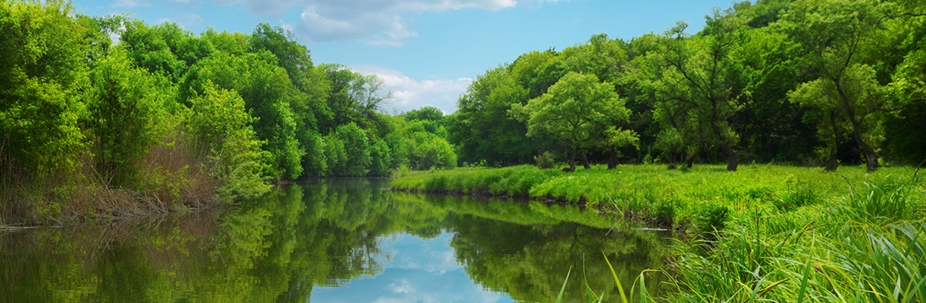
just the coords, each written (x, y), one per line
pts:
(578, 111)
(124, 106)
(223, 135)
(356, 148)
(482, 129)
(42, 71)
(380, 159)
(834, 36)
(697, 84)
(163, 119)
(545, 160)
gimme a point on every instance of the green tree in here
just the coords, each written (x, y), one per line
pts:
(834, 35)
(309, 102)
(578, 111)
(43, 69)
(148, 47)
(907, 38)
(380, 159)
(427, 113)
(481, 128)
(335, 155)
(125, 106)
(267, 92)
(357, 148)
(223, 135)
(354, 98)
(697, 83)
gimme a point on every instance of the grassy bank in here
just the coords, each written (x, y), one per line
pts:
(702, 195)
(785, 234)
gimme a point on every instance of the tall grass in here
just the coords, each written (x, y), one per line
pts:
(765, 233)
(171, 178)
(871, 247)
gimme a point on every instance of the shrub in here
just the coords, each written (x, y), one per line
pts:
(545, 160)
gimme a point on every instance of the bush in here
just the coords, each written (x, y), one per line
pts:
(545, 160)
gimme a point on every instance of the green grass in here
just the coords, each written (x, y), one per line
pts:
(661, 197)
(764, 233)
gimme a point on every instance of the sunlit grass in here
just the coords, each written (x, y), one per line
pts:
(763, 233)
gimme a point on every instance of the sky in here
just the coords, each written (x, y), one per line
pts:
(413, 270)
(426, 51)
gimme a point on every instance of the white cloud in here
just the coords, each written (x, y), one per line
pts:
(402, 287)
(184, 20)
(188, 19)
(131, 3)
(377, 22)
(272, 8)
(184, 3)
(409, 94)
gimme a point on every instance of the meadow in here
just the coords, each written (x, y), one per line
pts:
(763, 233)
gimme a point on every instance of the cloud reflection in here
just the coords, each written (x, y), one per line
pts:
(416, 270)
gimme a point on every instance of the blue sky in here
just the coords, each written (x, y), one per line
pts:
(413, 270)
(427, 51)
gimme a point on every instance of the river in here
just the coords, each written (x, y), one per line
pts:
(334, 240)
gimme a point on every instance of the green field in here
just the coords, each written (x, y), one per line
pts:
(765, 232)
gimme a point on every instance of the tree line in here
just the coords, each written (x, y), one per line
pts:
(92, 104)
(818, 82)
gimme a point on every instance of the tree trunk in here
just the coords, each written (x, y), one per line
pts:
(732, 159)
(856, 130)
(831, 164)
(612, 159)
(585, 161)
(866, 149)
(572, 160)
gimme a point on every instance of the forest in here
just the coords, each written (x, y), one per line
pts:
(111, 116)
(108, 115)
(818, 83)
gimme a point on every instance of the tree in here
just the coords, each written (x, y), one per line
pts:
(380, 159)
(125, 106)
(354, 98)
(357, 149)
(904, 131)
(222, 134)
(428, 113)
(43, 68)
(481, 128)
(697, 83)
(578, 111)
(833, 35)
(267, 93)
(308, 101)
(148, 47)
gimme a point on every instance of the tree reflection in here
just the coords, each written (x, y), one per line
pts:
(280, 247)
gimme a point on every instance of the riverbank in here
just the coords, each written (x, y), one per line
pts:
(784, 234)
(655, 195)
(78, 197)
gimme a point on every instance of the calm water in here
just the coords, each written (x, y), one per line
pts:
(332, 241)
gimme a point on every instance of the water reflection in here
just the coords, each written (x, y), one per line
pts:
(331, 241)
